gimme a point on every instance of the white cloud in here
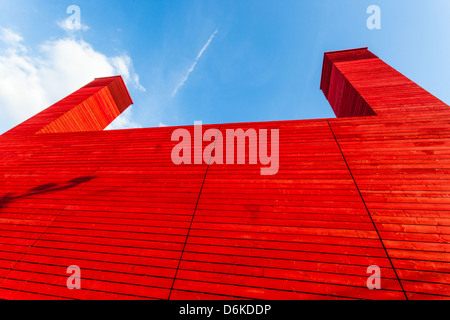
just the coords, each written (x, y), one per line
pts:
(124, 66)
(32, 80)
(162, 125)
(123, 122)
(12, 39)
(199, 55)
(69, 26)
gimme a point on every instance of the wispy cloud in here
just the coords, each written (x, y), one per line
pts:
(68, 26)
(124, 121)
(181, 83)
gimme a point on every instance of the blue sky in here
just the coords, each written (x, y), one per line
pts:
(232, 61)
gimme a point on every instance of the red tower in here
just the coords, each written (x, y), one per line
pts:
(369, 187)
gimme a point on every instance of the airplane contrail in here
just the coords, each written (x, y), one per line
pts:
(194, 64)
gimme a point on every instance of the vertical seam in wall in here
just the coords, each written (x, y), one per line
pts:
(193, 215)
(367, 209)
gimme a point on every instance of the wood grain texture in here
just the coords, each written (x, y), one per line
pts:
(370, 187)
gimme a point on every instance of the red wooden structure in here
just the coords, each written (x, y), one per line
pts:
(370, 187)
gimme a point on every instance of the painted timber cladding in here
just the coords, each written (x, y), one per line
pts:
(370, 187)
